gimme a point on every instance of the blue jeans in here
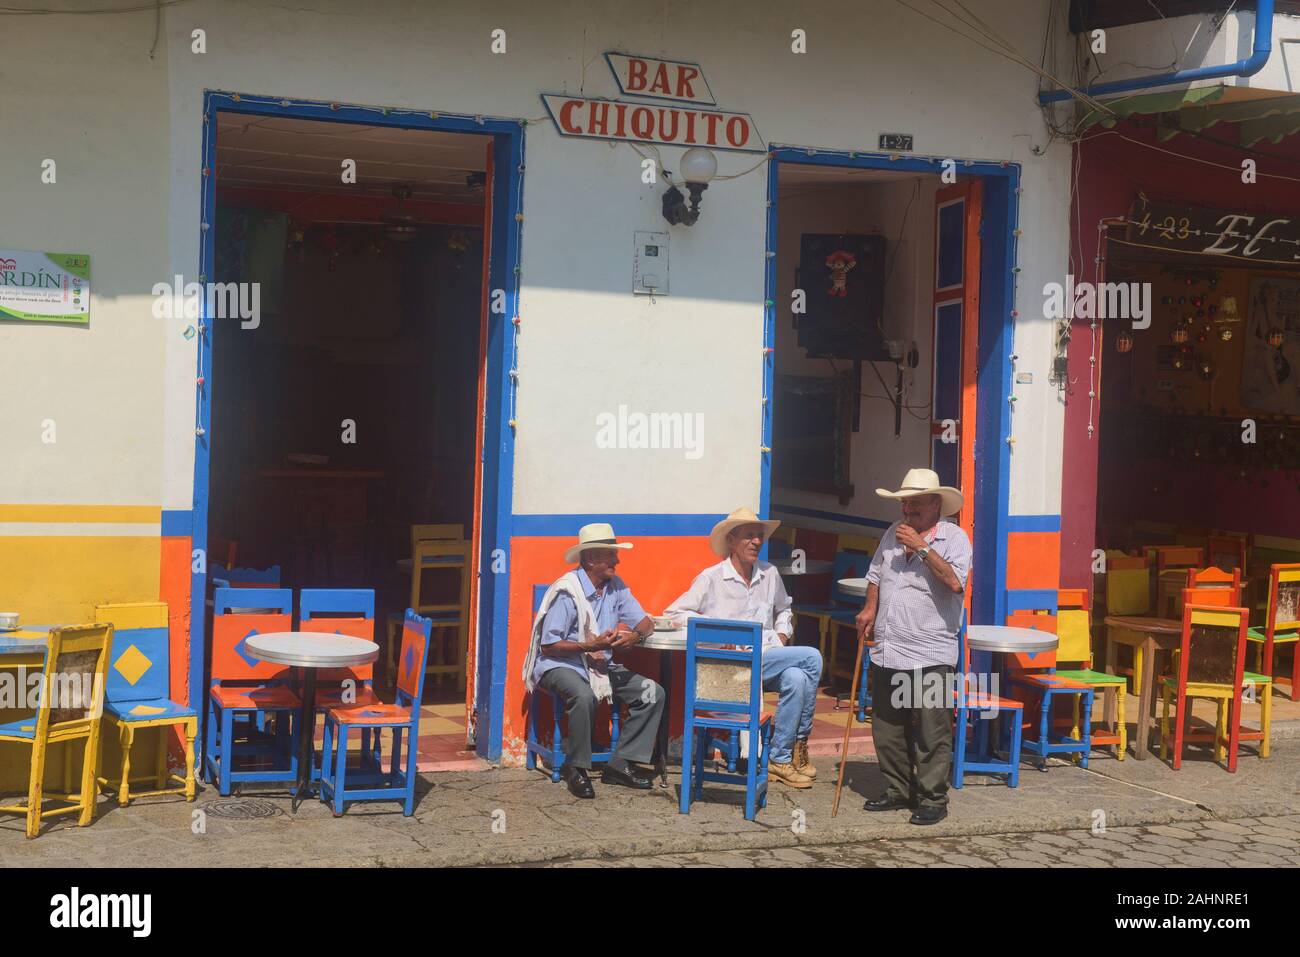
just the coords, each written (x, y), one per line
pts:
(794, 671)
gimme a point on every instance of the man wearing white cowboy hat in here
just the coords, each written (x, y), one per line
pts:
(742, 588)
(915, 595)
(586, 615)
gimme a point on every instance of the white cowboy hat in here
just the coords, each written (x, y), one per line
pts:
(741, 516)
(596, 535)
(926, 482)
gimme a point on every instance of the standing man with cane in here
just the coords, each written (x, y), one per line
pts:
(915, 594)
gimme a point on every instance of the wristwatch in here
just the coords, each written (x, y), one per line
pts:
(922, 552)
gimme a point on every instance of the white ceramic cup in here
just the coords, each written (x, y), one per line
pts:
(8, 620)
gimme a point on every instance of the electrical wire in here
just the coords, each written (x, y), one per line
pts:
(1184, 156)
(41, 11)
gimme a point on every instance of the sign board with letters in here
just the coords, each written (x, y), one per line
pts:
(1235, 235)
(44, 287)
(685, 114)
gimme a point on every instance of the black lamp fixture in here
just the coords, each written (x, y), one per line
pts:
(698, 167)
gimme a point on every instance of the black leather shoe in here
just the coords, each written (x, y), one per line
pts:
(930, 814)
(628, 778)
(886, 802)
(579, 783)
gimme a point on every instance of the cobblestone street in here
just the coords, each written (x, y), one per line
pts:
(1249, 842)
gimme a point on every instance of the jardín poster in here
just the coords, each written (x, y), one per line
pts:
(44, 287)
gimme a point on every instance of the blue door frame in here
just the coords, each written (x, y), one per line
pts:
(498, 439)
(996, 326)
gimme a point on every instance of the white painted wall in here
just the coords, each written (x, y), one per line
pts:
(586, 344)
(100, 384)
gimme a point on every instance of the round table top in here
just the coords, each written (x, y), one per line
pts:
(811, 566)
(1160, 626)
(1006, 638)
(305, 649)
(672, 640)
(853, 586)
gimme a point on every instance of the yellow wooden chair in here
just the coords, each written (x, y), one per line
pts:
(70, 709)
(137, 690)
(438, 555)
(858, 543)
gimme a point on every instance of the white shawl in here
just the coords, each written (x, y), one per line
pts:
(568, 584)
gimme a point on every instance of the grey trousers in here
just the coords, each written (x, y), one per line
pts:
(913, 744)
(636, 736)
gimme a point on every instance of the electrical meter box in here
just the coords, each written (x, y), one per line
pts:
(650, 264)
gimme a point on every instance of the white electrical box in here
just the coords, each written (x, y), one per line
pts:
(650, 264)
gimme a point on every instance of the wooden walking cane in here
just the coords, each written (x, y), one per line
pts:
(848, 722)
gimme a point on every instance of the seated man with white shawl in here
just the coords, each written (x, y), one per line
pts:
(587, 614)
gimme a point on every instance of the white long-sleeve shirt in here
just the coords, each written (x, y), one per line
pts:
(721, 592)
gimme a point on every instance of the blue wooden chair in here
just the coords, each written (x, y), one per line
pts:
(978, 711)
(138, 675)
(553, 754)
(222, 577)
(724, 692)
(244, 691)
(342, 611)
(402, 716)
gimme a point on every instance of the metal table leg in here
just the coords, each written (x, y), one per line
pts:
(306, 737)
(661, 745)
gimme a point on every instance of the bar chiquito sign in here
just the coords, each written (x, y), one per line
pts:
(686, 117)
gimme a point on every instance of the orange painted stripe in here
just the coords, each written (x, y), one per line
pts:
(1033, 560)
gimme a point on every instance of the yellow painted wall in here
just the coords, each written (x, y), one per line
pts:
(60, 579)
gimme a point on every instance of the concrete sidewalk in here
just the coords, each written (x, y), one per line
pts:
(515, 816)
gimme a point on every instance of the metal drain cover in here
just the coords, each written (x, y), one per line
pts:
(244, 809)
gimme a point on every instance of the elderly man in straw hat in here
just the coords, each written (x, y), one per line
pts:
(584, 617)
(913, 610)
(741, 587)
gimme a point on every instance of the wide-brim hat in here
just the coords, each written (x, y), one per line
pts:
(741, 516)
(926, 482)
(596, 535)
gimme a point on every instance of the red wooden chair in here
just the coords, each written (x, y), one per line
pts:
(1210, 664)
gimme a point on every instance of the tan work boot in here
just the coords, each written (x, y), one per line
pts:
(801, 762)
(788, 775)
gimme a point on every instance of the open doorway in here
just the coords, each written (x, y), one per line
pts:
(876, 338)
(345, 420)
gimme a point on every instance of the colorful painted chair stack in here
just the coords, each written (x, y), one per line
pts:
(70, 710)
(1035, 674)
(724, 693)
(401, 718)
(1075, 663)
(137, 692)
(1281, 624)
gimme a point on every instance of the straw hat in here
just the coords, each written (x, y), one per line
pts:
(926, 482)
(596, 535)
(741, 516)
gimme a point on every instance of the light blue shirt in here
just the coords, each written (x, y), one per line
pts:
(612, 604)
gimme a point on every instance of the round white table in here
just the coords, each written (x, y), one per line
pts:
(1003, 638)
(308, 651)
(853, 586)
